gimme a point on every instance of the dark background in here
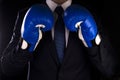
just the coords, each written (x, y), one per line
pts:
(105, 11)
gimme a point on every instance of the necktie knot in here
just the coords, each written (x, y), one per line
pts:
(59, 10)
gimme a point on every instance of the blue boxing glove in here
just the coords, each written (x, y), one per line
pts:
(79, 19)
(37, 19)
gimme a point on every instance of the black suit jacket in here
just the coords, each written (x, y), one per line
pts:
(80, 63)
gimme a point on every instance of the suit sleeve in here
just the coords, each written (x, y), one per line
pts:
(104, 57)
(14, 60)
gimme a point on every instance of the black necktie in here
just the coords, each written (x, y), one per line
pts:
(59, 34)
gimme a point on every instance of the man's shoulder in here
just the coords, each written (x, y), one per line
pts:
(23, 10)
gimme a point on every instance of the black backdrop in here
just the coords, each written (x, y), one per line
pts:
(107, 12)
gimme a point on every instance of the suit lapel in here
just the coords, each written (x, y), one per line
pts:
(69, 46)
(54, 53)
(52, 48)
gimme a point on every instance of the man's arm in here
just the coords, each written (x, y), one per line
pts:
(104, 57)
(26, 36)
(99, 47)
(14, 60)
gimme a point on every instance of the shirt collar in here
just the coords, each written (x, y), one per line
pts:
(52, 5)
